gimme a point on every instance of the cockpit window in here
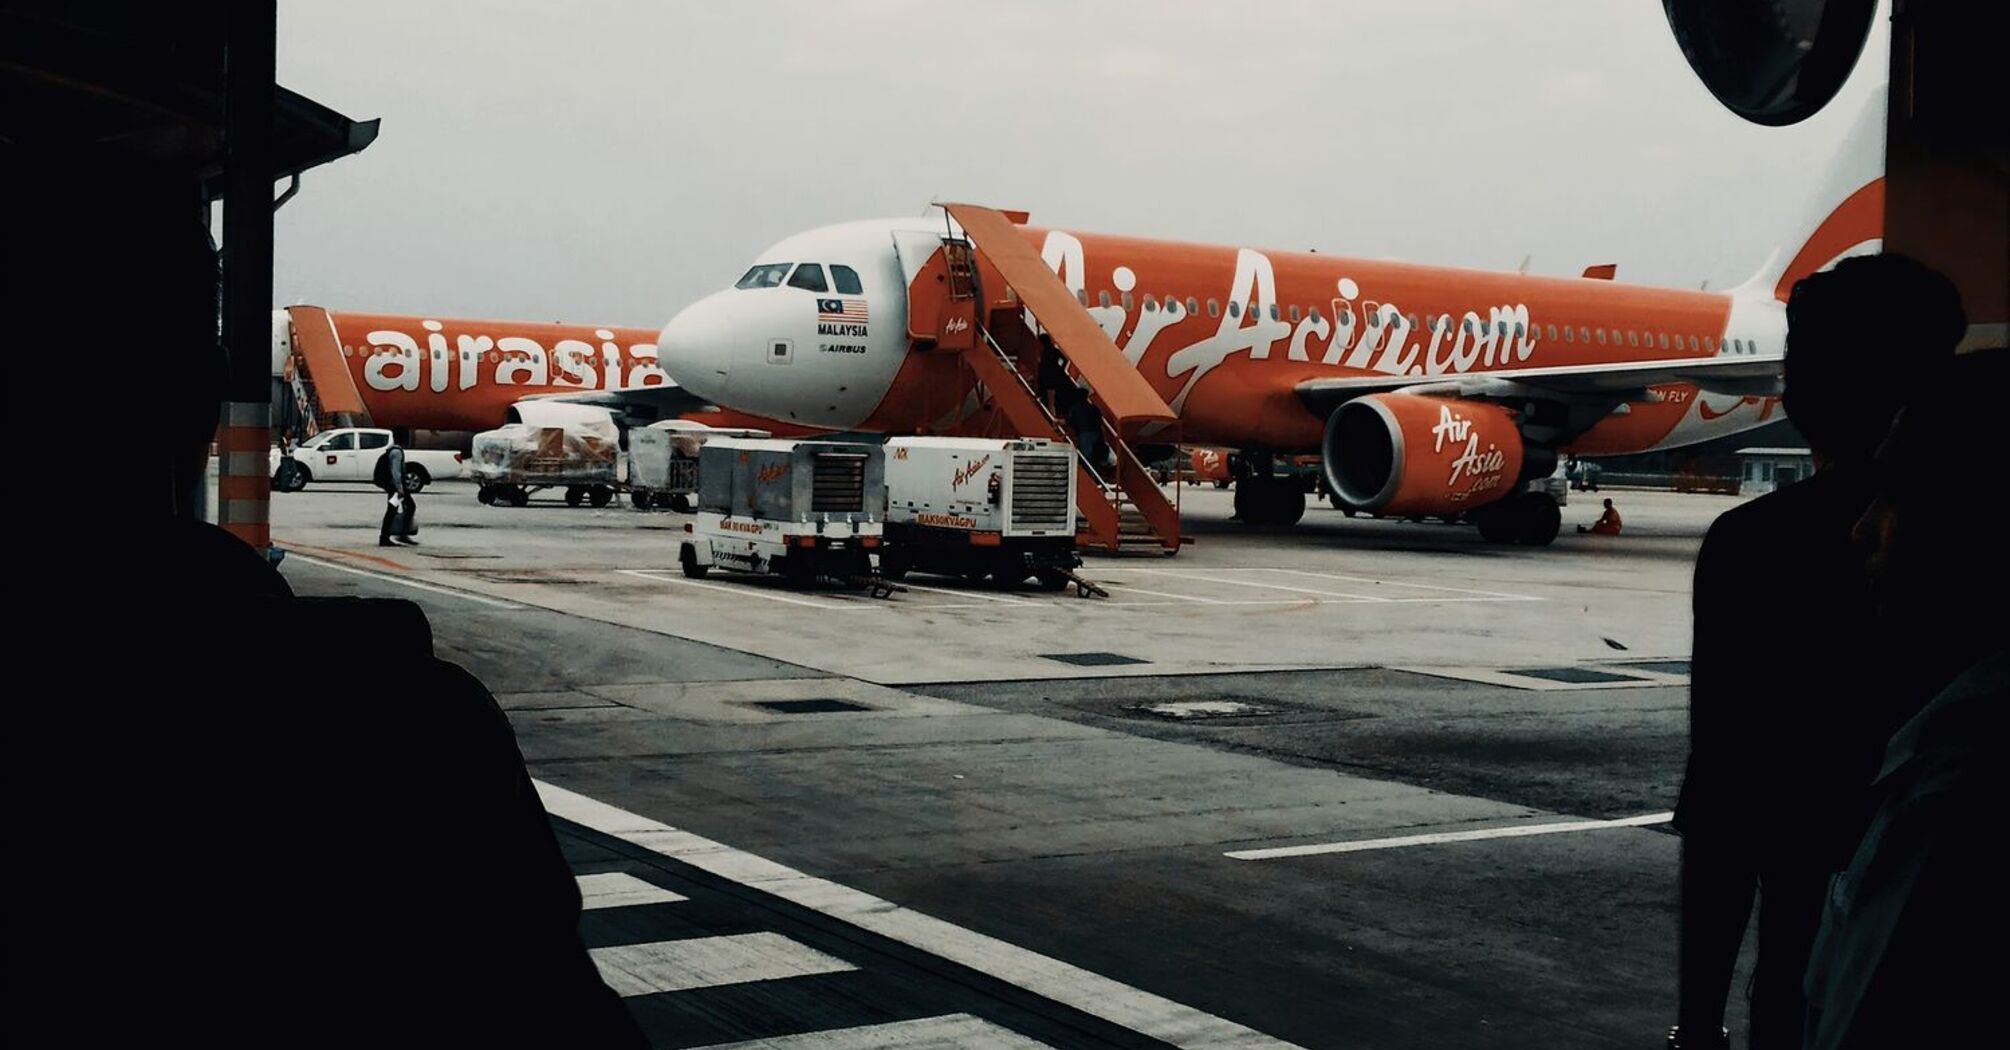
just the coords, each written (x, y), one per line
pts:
(810, 278)
(767, 276)
(846, 280)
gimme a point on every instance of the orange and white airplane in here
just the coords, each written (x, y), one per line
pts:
(1426, 390)
(415, 373)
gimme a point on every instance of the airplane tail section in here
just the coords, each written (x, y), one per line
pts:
(1846, 218)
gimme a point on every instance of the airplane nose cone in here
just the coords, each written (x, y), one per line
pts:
(697, 347)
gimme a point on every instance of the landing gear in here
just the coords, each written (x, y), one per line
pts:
(1530, 519)
(1268, 501)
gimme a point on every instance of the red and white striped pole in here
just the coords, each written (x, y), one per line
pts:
(250, 103)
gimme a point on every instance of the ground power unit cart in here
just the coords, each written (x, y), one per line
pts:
(981, 508)
(806, 510)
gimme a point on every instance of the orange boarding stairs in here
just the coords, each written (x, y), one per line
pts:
(990, 278)
(324, 393)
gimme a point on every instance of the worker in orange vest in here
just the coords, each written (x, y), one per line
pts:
(1607, 523)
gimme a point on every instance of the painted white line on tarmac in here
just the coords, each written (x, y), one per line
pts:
(1196, 577)
(1128, 589)
(1498, 595)
(709, 962)
(618, 889)
(750, 592)
(1435, 838)
(957, 1030)
(1140, 1011)
(400, 581)
(965, 594)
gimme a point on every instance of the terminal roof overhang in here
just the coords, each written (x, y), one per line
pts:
(144, 82)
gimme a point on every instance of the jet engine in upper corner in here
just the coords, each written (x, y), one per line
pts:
(1414, 455)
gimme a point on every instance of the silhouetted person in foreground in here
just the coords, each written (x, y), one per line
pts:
(1790, 699)
(257, 820)
(1911, 942)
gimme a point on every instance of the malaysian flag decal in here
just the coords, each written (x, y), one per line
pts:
(841, 311)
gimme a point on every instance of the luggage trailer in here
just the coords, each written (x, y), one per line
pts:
(978, 508)
(804, 510)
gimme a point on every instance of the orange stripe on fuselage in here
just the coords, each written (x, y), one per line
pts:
(458, 374)
(1234, 380)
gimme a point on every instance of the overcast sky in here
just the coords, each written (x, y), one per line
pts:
(612, 160)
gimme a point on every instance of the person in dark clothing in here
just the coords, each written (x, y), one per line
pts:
(285, 818)
(400, 508)
(1791, 699)
(1907, 951)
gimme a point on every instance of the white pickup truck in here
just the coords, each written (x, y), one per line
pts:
(350, 454)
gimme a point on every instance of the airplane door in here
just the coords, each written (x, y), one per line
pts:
(914, 248)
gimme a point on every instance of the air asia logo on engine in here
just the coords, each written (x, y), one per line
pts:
(968, 470)
(1484, 470)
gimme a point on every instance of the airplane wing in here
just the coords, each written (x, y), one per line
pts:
(637, 405)
(1617, 382)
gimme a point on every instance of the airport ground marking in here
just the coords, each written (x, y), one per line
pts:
(1177, 598)
(337, 552)
(1091, 993)
(1497, 595)
(960, 1030)
(752, 592)
(967, 594)
(1438, 837)
(414, 584)
(1196, 577)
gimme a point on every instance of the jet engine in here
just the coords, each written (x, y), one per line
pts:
(1413, 455)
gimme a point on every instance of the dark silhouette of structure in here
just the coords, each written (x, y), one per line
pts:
(1913, 925)
(1793, 687)
(285, 819)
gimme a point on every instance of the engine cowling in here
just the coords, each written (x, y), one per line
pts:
(1408, 454)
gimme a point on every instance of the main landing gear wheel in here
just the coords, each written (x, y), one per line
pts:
(1530, 519)
(1539, 521)
(1268, 501)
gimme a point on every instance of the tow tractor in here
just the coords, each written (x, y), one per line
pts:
(981, 508)
(806, 510)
